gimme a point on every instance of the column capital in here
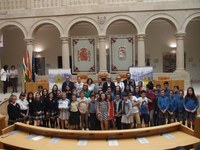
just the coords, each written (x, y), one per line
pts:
(180, 35)
(29, 41)
(141, 37)
(102, 37)
(64, 39)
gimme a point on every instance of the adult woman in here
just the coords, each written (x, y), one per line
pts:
(91, 85)
(14, 78)
(4, 78)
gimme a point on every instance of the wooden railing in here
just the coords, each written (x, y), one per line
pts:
(3, 111)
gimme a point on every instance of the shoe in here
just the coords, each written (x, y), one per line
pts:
(87, 129)
(83, 129)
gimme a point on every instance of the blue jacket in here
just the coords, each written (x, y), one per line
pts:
(167, 92)
(163, 103)
(172, 104)
(176, 95)
(180, 104)
(191, 104)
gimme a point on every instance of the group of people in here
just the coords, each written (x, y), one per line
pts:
(7, 75)
(104, 105)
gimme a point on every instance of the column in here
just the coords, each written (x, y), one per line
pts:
(180, 51)
(30, 48)
(102, 54)
(1, 45)
(65, 52)
(141, 49)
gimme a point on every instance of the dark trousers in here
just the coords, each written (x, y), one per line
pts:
(5, 86)
(118, 122)
(93, 121)
(14, 84)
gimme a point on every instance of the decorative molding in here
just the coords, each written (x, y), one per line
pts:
(101, 19)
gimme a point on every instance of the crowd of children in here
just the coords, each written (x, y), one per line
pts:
(104, 105)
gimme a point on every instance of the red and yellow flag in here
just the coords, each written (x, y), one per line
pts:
(26, 68)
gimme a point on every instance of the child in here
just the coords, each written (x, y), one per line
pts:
(24, 109)
(191, 105)
(172, 107)
(63, 106)
(13, 110)
(144, 110)
(30, 99)
(74, 118)
(92, 113)
(163, 105)
(103, 111)
(136, 111)
(83, 109)
(118, 110)
(38, 109)
(51, 109)
(180, 113)
(127, 118)
(111, 111)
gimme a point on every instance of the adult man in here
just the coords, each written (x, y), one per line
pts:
(67, 82)
(108, 83)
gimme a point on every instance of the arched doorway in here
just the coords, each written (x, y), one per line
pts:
(83, 35)
(48, 48)
(160, 43)
(121, 45)
(192, 48)
(12, 50)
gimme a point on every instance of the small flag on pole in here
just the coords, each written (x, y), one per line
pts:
(33, 66)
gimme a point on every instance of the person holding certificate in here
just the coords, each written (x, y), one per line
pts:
(63, 106)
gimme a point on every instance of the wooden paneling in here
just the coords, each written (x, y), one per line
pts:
(33, 86)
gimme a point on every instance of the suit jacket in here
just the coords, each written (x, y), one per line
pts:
(105, 86)
(70, 83)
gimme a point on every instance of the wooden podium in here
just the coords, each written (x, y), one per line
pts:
(170, 136)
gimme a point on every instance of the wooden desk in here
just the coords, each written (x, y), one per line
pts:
(128, 139)
(33, 86)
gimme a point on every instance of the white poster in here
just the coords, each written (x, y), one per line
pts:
(144, 74)
(57, 76)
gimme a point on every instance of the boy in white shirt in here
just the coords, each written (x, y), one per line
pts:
(136, 111)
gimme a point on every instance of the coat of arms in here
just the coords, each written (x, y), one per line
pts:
(84, 54)
(122, 52)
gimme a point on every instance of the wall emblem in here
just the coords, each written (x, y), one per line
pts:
(83, 54)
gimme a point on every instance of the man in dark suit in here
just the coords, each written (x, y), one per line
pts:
(108, 83)
(67, 82)
(128, 80)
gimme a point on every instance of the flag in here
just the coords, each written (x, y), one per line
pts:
(33, 66)
(26, 68)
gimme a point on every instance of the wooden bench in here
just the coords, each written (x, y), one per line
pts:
(156, 137)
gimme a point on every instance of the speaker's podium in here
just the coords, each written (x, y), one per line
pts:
(170, 136)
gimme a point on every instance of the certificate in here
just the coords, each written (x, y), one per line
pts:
(63, 104)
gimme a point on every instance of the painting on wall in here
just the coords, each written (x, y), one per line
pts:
(122, 52)
(169, 62)
(83, 54)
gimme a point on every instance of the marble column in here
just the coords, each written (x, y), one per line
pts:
(141, 49)
(180, 51)
(102, 54)
(30, 48)
(65, 52)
